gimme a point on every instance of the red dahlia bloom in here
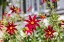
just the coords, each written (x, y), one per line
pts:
(32, 23)
(11, 28)
(15, 9)
(28, 32)
(49, 32)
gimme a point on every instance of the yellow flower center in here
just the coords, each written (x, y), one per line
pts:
(10, 27)
(32, 22)
(27, 28)
(49, 32)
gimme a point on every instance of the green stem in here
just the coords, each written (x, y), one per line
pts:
(28, 39)
(58, 40)
(47, 40)
(34, 39)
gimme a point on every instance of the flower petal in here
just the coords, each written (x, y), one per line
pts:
(49, 27)
(37, 20)
(14, 29)
(27, 20)
(45, 30)
(46, 35)
(30, 18)
(37, 24)
(34, 17)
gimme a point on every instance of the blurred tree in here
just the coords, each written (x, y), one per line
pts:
(3, 3)
(0, 2)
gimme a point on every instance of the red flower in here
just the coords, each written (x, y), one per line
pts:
(27, 31)
(15, 9)
(11, 28)
(32, 23)
(49, 32)
(18, 10)
(29, 8)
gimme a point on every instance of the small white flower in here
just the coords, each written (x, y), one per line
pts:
(55, 33)
(10, 4)
(40, 40)
(32, 10)
(9, 12)
(58, 7)
(46, 11)
(30, 39)
(61, 37)
(22, 33)
(61, 18)
(46, 22)
(17, 5)
(36, 35)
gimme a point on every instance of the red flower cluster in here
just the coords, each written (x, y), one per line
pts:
(32, 23)
(11, 28)
(15, 9)
(49, 32)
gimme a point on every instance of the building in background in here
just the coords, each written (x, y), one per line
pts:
(30, 6)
